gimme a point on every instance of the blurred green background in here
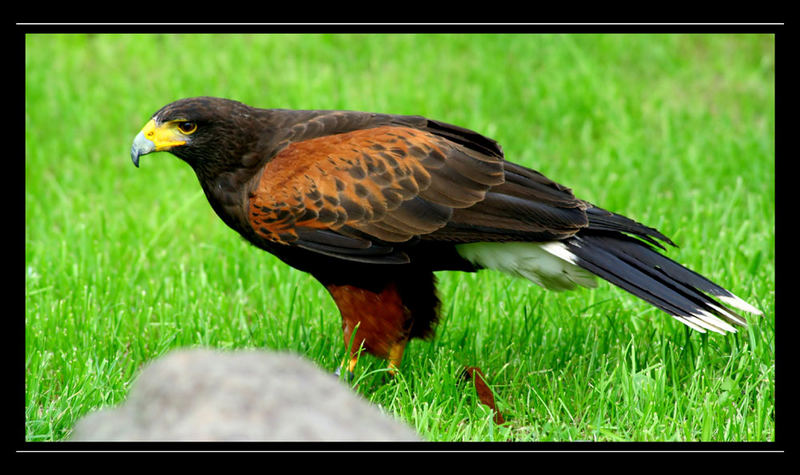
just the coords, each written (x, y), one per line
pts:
(676, 131)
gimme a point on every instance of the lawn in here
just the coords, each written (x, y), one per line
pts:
(676, 131)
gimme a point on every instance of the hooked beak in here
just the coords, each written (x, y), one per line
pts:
(155, 138)
(141, 146)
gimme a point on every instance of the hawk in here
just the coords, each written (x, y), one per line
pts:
(371, 205)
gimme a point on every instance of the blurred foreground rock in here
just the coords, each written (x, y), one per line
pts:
(248, 395)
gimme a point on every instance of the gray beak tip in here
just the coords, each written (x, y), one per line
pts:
(141, 146)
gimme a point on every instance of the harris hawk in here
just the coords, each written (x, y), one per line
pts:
(371, 205)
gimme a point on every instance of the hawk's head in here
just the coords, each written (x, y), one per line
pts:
(206, 132)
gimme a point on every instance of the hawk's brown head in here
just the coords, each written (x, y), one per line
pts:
(206, 132)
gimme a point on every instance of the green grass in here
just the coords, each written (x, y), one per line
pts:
(677, 131)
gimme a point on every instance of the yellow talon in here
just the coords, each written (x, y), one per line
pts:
(395, 357)
(351, 365)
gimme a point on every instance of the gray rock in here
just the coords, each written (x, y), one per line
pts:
(196, 395)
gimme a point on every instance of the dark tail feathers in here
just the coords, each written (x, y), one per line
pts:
(637, 268)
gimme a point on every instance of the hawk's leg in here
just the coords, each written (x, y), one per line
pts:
(381, 312)
(350, 364)
(396, 356)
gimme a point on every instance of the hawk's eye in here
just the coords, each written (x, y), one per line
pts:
(187, 127)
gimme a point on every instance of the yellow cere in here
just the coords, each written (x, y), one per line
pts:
(164, 136)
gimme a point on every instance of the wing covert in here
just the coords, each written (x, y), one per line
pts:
(387, 184)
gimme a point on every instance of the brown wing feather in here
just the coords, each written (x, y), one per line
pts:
(390, 182)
